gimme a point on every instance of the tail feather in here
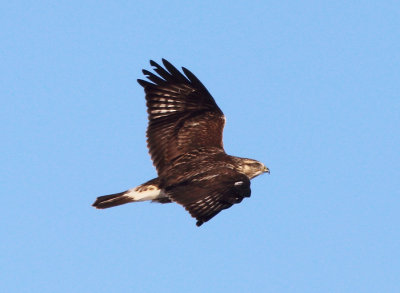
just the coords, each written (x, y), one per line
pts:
(112, 200)
(147, 191)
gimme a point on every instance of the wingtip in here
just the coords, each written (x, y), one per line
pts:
(153, 63)
(187, 71)
(143, 83)
(165, 62)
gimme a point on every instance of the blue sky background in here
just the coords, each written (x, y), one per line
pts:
(311, 88)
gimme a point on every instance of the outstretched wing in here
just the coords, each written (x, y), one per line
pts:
(205, 195)
(183, 116)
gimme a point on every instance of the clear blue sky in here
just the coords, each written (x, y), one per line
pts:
(311, 88)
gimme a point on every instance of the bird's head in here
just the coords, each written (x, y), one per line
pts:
(252, 168)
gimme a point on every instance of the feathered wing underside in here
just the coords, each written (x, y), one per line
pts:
(183, 116)
(205, 195)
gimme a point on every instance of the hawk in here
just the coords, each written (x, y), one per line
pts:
(184, 137)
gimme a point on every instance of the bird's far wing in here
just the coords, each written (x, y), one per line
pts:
(183, 116)
(205, 195)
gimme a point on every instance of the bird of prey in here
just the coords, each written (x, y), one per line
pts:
(184, 137)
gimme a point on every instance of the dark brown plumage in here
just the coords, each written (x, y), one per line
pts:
(184, 137)
(183, 116)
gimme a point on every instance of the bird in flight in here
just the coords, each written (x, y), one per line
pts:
(184, 137)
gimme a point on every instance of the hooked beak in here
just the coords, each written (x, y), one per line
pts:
(266, 170)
